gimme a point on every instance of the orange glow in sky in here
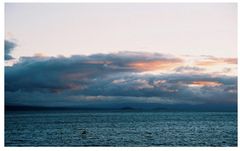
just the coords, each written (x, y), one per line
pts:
(217, 61)
(155, 65)
(205, 83)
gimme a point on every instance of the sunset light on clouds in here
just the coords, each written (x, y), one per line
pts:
(116, 55)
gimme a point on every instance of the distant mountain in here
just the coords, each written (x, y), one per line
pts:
(127, 108)
(132, 107)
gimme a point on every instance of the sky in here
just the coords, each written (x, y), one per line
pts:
(118, 55)
(69, 29)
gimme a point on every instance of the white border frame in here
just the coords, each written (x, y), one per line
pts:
(2, 29)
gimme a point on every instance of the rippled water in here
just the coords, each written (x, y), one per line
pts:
(115, 128)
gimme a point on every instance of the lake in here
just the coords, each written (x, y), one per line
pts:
(120, 128)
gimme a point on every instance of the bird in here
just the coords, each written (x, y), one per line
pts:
(84, 132)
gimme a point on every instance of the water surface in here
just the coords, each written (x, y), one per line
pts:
(120, 128)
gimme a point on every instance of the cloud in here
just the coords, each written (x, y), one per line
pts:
(156, 65)
(188, 69)
(205, 83)
(211, 61)
(110, 80)
(59, 73)
(8, 48)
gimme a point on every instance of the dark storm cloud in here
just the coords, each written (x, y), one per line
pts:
(59, 73)
(175, 87)
(109, 80)
(134, 89)
(8, 48)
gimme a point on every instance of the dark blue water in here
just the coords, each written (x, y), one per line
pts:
(112, 128)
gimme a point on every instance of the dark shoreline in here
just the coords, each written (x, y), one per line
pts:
(124, 109)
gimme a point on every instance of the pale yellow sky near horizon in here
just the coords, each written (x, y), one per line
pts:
(70, 29)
